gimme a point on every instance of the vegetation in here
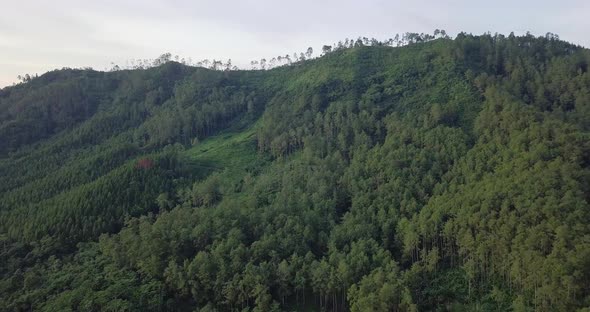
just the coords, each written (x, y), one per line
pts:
(440, 174)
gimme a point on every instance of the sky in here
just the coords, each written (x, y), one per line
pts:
(41, 35)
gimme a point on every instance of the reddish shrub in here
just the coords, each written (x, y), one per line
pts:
(144, 163)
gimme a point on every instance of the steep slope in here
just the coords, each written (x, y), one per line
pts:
(446, 175)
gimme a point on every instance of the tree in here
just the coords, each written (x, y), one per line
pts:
(163, 59)
(254, 64)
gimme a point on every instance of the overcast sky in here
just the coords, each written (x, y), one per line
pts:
(37, 36)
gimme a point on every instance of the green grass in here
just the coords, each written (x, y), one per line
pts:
(228, 157)
(230, 153)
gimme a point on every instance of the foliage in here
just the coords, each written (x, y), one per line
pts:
(436, 175)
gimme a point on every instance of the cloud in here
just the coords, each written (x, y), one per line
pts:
(40, 36)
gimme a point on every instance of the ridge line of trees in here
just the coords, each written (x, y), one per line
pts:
(398, 40)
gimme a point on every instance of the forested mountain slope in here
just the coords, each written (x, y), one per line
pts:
(449, 175)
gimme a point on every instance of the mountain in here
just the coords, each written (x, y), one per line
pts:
(444, 175)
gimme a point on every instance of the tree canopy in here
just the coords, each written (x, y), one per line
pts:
(417, 173)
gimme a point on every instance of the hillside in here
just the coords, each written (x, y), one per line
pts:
(446, 175)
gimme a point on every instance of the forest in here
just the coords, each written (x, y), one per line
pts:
(420, 173)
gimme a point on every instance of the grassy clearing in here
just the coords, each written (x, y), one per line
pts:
(231, 154)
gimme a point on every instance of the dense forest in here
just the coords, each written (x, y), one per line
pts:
(434, 175)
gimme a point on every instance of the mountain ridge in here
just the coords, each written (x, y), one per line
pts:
(445, 175)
